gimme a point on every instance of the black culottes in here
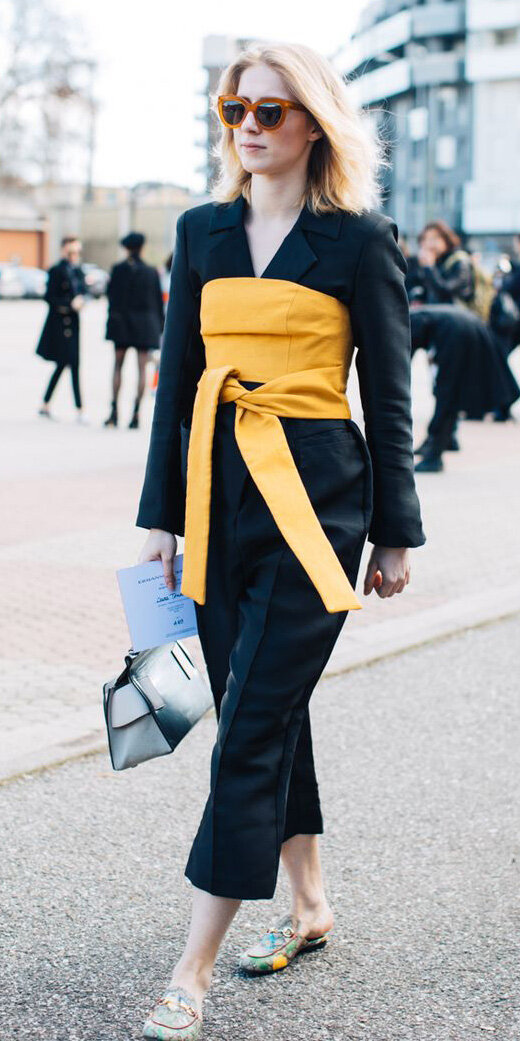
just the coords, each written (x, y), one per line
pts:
(266, 637)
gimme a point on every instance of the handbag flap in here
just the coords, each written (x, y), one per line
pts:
(127, 705)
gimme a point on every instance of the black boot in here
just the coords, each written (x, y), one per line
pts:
(112, 419)
(134, 422)
(430, 464)
(453, 444)
(428, 446)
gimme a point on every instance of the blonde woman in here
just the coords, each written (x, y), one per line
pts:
(273, 285)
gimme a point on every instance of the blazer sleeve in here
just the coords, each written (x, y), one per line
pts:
(381, 327)
(162, 502)
(159, 298)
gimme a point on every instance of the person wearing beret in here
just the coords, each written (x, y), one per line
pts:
(59, 340)
(277, 284)
(135, 318)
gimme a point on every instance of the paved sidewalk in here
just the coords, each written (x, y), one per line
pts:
(418, 764)
(68, 512)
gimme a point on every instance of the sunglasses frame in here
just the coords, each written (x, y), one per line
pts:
(251, 106)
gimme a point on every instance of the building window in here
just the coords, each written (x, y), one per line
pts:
(443, 198)
(503, 37)
(417, 194)
(446, 152)
(418, 123)
(447, 103)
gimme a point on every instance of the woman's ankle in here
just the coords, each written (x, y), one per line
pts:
(193, 973)
(313, 912)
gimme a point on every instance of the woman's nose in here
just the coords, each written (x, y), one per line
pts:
(250, 122)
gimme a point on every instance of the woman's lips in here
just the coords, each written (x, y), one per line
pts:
(252, 148)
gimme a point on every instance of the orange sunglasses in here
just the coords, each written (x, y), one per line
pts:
(268, 112)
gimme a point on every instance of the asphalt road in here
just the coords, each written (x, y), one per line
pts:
(419, 765)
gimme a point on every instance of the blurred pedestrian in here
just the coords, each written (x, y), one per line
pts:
(273, 282)
(445, 269)
(511, 280)
(471, 376)
(135, 318)
(448, 274)
(505, 311)
(59, 340)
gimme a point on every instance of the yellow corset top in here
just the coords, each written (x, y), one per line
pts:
(297, 343)
(268, 327)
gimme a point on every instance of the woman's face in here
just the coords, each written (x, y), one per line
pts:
(272, 151)
(433, 242)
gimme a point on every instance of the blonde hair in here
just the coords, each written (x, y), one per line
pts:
(343, 164)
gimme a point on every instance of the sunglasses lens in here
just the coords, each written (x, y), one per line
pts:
(269, 114)
(233, 112)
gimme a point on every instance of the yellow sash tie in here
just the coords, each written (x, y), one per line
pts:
(312, 393)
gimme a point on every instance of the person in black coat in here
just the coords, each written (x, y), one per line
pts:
(472, 377)
(445, 271)
(135, 317)
(59, 340)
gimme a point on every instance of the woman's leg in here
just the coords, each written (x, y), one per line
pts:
(112, 419)
(142, 359)
(74, 375)
(52, 382)
(117, 374)
(301, 860)
(210, 919)
(300, 850)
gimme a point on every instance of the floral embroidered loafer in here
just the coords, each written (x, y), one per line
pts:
(174, 1017)
(279, 946)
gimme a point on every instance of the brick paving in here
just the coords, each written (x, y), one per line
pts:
(68, 512)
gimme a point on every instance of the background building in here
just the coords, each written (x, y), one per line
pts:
(24, 232)
(442, 80)
(33, 221)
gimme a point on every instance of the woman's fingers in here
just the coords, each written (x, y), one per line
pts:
(146, 556)
(168, 558)
(161, 545)
(371, 580)
(390, 586)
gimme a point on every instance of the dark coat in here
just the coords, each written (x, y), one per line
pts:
(353, 258)
(511, 281)
(449, 280)
(135, 304)
(59, 340)
(473, 373)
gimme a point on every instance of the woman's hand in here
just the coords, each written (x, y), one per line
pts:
(426, 256)
(388, 570)
(161, 545)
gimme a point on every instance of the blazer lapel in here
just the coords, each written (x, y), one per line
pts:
(229, 255)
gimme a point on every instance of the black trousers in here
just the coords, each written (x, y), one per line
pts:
(266, 638)
(74, 375)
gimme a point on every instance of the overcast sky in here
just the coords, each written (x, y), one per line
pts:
(150, 72)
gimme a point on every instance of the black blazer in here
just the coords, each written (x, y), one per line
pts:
(135, 304)
(353, 258)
